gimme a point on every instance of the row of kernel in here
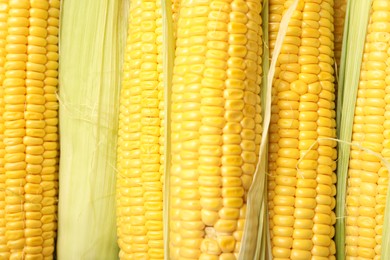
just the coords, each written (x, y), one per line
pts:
(177, 113)
(150, 133)
(275, 16)
(14, 134)
(288, 149)
(191, 33)
(156, 250)
(340, 8)
(35, 124)
(323, 224)
(4, 252)
(136, 214)
(232, 150)
(129, 182)
(50, 163)
(354, 172)
(212, 124)
(382, 55)
(251, 120)
(307, 86)
(382, 178)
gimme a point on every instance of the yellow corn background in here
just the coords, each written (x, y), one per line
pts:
(29, 133)
(302, 158)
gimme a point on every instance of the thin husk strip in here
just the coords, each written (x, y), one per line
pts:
(168, 59)
(340, 73)
(351, 59)
(262, 248)
(257, 192)
(92, 42)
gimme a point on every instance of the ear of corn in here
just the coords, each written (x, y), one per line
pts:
(29, 139)
(141, 136)
(302, 156)
(93, 38)
(215, 126)
(363, 169)
(352, 54)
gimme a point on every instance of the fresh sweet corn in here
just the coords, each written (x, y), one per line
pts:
(216, 125)
(301, 153)
(367, 176)
(141, 140)
(29, 139)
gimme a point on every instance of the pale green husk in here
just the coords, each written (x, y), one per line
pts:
(92, 42)
(263, 248)
(353, 45)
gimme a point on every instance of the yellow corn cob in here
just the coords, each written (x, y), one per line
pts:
(216, 125)
(340, 7)
(4, 251)
(367, 176)
(29, 113)
(140, 226)
(302, 160)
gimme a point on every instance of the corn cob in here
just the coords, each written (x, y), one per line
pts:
(302, 159)
(29, 133)
(216, 125)
(367, 176)
(140, 151)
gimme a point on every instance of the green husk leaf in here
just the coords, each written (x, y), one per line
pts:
(341, 72)
(353, 45)
(168, 60)
(92, 42)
